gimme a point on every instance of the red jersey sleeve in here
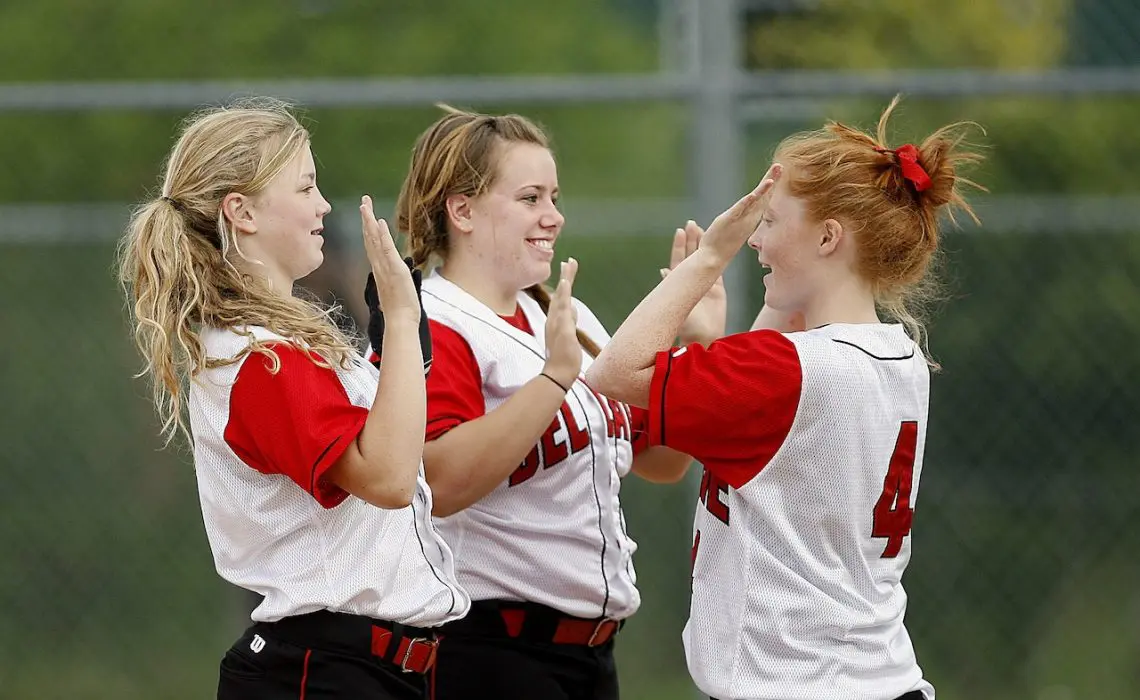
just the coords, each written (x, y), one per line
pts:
(731, 405)
(297, 422)
(455, 384)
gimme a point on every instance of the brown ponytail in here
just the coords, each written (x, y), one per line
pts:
(542, 295)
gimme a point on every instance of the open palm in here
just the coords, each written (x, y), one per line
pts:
(708, 318)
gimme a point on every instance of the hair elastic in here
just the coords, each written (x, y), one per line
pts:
(907, 157)
(174, 203)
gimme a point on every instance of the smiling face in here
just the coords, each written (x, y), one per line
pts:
(787, 244)
(282, 224)
(515, 224)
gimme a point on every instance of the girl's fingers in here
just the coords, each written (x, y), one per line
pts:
(692, 237)
(678, 252)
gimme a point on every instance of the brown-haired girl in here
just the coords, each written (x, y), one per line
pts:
(524, 458)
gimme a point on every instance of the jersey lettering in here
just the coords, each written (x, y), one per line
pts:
(553, 448)
(711, 490)
(553, 451)
(617, 418)
(579, 438)
(710, 495)
(893, 514)
(619, 425)
(527, 469)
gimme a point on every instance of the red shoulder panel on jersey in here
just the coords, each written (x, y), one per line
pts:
(455, 384)
(297, 422)
(731, 405)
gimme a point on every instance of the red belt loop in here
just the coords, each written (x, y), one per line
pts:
(513, 619)
(380, 640)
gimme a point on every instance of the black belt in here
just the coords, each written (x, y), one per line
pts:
(912, 695)
(411, 649)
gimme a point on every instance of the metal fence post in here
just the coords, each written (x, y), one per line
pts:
(717, 168)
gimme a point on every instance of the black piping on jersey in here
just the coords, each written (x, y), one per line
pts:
(664, 384)
(597, 497)
(621, 511)
(593, 454)
(465, 312)
(416, 525)
(313, 471)
(873, 355)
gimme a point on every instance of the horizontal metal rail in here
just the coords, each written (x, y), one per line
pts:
(612, 88)
(1000, 215)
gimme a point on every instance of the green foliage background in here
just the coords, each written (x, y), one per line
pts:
(1023, 579)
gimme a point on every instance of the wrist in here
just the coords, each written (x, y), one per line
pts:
(710, 260)
(562, 377)
(405, 319)
(564, 387)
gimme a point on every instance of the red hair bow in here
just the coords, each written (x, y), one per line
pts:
(907, 156)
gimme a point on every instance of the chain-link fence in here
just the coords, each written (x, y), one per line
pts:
(1023, 579)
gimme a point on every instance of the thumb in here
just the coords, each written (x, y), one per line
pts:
(751, 204)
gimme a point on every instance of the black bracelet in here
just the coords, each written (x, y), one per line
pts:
(556, 382)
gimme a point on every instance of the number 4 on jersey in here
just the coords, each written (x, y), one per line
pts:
(893, 514)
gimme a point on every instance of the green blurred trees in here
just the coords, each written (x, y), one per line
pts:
(1024, 520)
(899, 34)
(115, 155)
(1037, 144)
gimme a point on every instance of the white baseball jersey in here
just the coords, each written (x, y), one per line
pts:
(553, 533)
(812, 444)
(262, 443)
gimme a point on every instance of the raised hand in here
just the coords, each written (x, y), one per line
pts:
(563, 351)
(395, 291)
(376, 318)
(709, 317)
(731, 229)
